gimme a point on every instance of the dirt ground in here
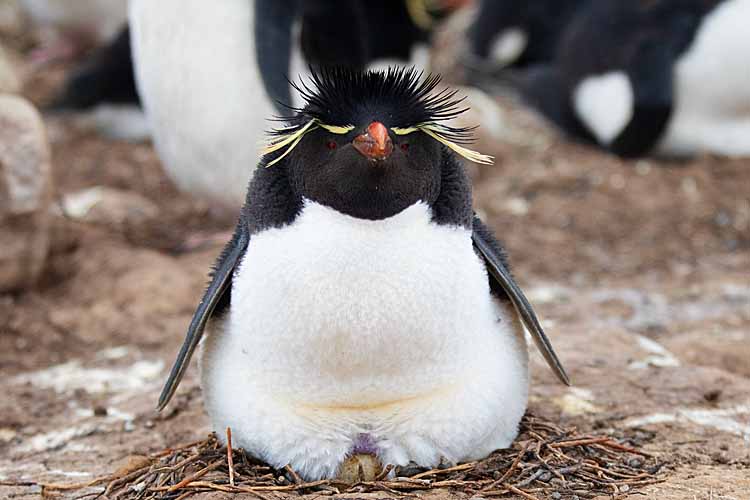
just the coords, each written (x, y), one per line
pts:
(640, 271)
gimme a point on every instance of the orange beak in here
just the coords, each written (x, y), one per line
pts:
(375, 144)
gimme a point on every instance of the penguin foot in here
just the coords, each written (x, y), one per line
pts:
(359, 468)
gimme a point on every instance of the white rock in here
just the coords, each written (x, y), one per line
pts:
(25, 193)
(110, 207)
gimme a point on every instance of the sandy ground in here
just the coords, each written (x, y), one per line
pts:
(640, 271)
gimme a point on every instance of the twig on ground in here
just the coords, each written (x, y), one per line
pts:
(230, 460)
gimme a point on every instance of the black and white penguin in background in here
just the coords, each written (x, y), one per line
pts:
(662, 76)
(200, 66)
(361, 307)
(517, 33)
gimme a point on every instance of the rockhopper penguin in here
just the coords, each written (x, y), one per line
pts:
(361, 307)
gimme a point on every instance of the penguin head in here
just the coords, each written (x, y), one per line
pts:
(369, 144)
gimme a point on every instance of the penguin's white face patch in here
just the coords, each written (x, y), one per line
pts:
(508, 46)
(604, 103)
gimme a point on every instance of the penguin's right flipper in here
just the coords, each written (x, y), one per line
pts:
(494, 260)
(214, 299)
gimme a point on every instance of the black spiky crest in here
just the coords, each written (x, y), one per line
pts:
(342, 96)
(340, 99)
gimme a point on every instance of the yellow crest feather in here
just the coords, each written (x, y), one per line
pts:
(433, 131)
(283, 140)
(337, 129)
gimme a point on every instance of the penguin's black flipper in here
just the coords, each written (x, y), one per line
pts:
(214, 299)
(493, 257)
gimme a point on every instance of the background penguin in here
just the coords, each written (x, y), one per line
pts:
(517, 33)
(201, 65)
(352, 310)
(660, 76)
(199, 74)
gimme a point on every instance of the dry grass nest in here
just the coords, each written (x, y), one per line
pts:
(545, 462)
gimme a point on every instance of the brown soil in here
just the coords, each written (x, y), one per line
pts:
(639, 269)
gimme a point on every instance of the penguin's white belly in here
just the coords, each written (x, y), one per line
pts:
(712, 94)
(341, 327)
(202, 92)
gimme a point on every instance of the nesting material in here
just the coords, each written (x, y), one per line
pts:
(547, 461)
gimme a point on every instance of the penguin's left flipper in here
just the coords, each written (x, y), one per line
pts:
(215, 299)
(490, 251)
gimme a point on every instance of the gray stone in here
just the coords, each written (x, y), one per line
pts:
(25, 193)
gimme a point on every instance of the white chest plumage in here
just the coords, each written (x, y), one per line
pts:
(340, 326)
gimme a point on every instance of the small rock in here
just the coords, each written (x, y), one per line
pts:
(720, 458)
(545, 477)
(635, 463)
(7, 434)
(410, 469)
(25, 193)
(712, 396)
(100, 411)
(555, 496)
(114, 208)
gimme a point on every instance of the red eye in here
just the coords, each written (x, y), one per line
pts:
(405, 146)
(331, 144)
